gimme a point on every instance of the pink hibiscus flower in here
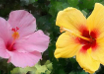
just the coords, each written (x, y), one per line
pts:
(20, 43)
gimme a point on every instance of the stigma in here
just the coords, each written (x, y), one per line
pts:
(15, 34)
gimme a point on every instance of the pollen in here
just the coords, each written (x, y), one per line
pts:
(61, 29)
(15, 35)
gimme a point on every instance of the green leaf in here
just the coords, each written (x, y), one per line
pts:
(57, 6)
(27, 2)
(41, 69)
(73, 3)
(37, 69)
(61, 71)
(84, 13)
(24, 2)
(46, 68)
(22, 70)
(83, 72)
(49, 66)
(89, 4)
(32, 1)
(102, 2)
(72, 72)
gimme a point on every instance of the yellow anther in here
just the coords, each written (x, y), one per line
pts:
(15, 35)
(61, 29)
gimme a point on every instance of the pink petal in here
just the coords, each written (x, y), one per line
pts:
(3, 51)
(5, 30)
(24, 21)
(35, 42)
(24, 59)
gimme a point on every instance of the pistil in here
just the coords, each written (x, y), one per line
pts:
(10, 47)
(77, 35)
(15, 36)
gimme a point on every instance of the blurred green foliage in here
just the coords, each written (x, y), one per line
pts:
(45, 12)
(37, 69)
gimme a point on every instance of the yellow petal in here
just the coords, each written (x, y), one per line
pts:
(66, 46)
(96, 20)
(87, 62)
(98, 53)
(72, 19)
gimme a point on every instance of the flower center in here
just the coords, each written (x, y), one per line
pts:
(15, 36)
(87, 39)
(92, 40)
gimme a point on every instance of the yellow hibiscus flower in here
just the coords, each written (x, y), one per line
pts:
(83, 38)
